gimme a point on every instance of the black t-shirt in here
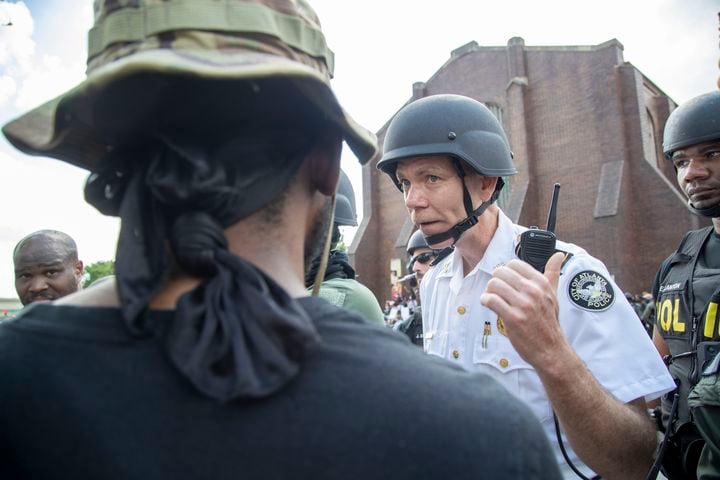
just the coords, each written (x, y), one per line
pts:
(80, 398)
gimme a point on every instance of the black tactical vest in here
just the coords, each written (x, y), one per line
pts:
(686, 314)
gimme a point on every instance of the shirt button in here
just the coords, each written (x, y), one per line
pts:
(456, 354)
(461, 310)
(504, 362)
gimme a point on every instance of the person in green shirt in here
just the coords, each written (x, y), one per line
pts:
(339, 285)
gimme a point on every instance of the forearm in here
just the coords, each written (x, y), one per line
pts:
(616, 440)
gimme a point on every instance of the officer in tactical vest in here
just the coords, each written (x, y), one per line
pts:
(421, 256)
(687, 286)
(339, 286)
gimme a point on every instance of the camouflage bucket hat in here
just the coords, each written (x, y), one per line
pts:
(224, 40)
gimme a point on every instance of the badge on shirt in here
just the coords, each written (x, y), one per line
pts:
(591, 291)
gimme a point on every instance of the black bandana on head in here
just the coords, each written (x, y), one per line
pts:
(238, 334)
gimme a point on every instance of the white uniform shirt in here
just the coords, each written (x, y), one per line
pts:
(606, 334)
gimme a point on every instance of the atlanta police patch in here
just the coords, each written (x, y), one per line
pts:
(591, 291)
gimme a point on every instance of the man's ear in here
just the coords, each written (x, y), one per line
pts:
(79, 270)
(480, 186)
(488, 187)
(325, 165)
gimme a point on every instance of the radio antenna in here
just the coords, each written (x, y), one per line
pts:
(553, 209)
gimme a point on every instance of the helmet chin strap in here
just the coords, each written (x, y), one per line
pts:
(470, 221)
(712, 212)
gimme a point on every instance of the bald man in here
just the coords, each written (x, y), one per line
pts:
(46, 266)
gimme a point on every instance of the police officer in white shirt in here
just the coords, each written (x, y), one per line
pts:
(565, 341)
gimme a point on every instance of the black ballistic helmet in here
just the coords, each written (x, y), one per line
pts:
(695, 121)
(416, 241)
(448, 125)
(345, 202)
(457, 126)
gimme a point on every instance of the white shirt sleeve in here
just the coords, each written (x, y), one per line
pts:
(609, 338)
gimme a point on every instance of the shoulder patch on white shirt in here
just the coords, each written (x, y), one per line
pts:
(591, 291)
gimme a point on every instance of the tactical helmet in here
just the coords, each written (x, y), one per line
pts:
(345, 202)
(245, 43)
(457, 126)
(448, 125)
(417, 240)
(695, 121)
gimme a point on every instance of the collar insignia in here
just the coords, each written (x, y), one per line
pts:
(501, 326)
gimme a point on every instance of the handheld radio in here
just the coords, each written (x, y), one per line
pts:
(537, 246)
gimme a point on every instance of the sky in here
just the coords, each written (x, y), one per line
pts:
(381, 48)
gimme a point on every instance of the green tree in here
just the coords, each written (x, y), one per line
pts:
(97, 270)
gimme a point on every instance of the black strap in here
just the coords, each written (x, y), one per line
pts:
(442, 255)
(689, 246)
(568, 256)
(711, 212)
(655, 469)
(694, 239)
(565, 454)
(458, 229)
(467, 201)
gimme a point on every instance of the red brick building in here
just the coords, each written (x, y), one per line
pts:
(577, 115)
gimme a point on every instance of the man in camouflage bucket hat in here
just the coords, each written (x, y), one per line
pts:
(210, 129)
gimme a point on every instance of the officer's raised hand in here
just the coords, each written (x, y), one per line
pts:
(527, 302)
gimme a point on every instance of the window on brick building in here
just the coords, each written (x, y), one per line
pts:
(655, 139)
(654, 146)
